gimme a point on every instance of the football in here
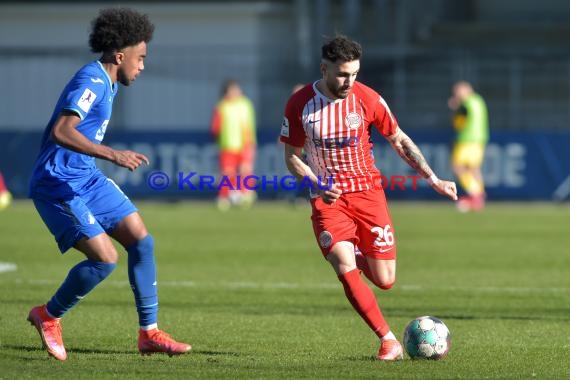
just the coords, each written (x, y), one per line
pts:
(427, 338)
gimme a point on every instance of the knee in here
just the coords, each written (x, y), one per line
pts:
(146, 244)
(99, 269)
(143, 247)
(386, 285)
(107, 268)
(109, 256)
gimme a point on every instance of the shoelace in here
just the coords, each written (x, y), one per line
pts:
(386, 348)
(53, 329)
(161, 337)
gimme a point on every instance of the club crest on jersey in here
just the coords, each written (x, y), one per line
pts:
(325, 239)
(352, 120)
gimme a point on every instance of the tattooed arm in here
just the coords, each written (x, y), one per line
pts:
(409, 151)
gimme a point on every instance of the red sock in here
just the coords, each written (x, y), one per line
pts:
(363, 301)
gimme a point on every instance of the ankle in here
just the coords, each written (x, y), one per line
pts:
(389, 336)
(151, 327)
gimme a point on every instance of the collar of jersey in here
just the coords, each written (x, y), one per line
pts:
(111, 84)
(321, 95)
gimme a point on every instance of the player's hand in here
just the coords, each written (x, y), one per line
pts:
(129, 159)
(446, 188)
(330, 196)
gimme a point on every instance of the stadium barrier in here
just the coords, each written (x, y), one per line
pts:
(518, 165)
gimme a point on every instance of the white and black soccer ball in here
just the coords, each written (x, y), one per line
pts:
(427, 338)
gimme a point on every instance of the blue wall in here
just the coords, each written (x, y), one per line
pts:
(518, 166)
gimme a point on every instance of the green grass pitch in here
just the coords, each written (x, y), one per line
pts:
(251, 292)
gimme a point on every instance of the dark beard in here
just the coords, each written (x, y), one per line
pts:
(337, 92)
(122, 78)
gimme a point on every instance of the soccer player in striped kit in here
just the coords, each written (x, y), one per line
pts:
(331, 119)
(83, 208)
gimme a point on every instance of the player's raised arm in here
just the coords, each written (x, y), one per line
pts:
(65, 133)
(409, 151)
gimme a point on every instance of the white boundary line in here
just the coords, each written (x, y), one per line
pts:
(309, 286)
(7, 267)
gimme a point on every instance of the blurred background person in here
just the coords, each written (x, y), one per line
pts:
(233, 126)
(5, 195)
(471, 123)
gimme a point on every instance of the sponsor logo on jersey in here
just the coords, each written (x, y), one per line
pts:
(352, 120)
(86, 100)
(285, 128)
(337, 142)
(97, 80)
(100, 134)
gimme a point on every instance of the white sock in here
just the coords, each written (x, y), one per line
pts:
(389, 336)
(150, 327)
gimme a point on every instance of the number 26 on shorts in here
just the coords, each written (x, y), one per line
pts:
(385, 236)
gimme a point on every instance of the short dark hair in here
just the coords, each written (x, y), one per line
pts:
(227, 84)
(340, 48)
(117, 28)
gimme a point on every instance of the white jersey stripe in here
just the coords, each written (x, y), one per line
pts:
(338, 134)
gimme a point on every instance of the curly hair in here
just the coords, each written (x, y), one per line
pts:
(340, 48)
(117, 28)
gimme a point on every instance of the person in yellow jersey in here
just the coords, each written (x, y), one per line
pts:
(471, 123)
(234, 127)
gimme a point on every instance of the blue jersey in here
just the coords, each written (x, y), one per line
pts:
(58, 171)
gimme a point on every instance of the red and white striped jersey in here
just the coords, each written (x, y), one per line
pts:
(336, 133)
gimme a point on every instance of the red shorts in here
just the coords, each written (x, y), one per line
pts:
(248, 155)
(361, 218)
(229, 162)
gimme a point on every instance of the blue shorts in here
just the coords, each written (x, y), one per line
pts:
(98, 209)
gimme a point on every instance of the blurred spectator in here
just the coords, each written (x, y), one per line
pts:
(471, 123)
(233, 126)
(5, 195)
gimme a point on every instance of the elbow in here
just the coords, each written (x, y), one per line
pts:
(56, 136)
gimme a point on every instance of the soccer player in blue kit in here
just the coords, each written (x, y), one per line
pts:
(83, 208)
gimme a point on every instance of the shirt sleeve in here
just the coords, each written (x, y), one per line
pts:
(81, 94)
(292, 132)
(384, 120)
(216, 123)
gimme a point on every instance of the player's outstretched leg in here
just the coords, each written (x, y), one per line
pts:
(155, 340)
(49, 330)
(364, 302)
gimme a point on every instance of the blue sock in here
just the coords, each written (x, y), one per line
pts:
(80, 280)
(142, 276)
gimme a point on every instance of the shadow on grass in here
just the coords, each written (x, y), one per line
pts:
(563, 316)
(215, 353)
(37, 348)
(362, 358)
(69, 350)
